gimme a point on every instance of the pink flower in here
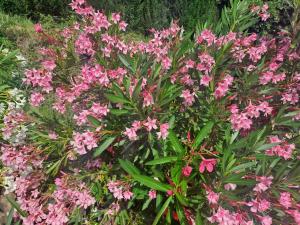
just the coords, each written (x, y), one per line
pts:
(190, 64)
(84, 199)
(39, 78)
(266, 220)
(147, 99)
(137, 125)
(84, 45)
(152, 194)
(186, 171)
(208, 36)
(127, 195)
(266, 77)
(207, 164)
(116, 17)
(240, 121)
(295, 214)
(188, 97)
(150, 124)
(225, 217)
(259, 206)
(230, 186)
(38, 28)
(223, 86)
(170, 192)
(83, 142)
(131, 134)
(166, 63)
(206, 63)
(52, 135)
(205, 79)
(212, 197)
(285, 199)
(122, 25)
(264, 183)
(36, 99)
(163, 133)
(49, 65)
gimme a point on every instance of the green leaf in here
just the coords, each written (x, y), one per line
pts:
(9, 218)
(162, 210)
(146, 204)
(243, 166)
(203, 133)
(199, 218)
(185, 46)
(104, 146)
(137, 89)
(175, 143)
(16, 206)
(180, 213)
(116, 99)
(126, 63)
(237, 179)
(156, 70)
(162, 160)
(151, 183)
(118, 112)
(129, 167)
(94, 121)
(234, 136)
(267, 146)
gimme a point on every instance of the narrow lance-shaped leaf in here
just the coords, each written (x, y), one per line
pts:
(126, 63)
(16, 206)
(116, 99)
(175, 143)
(104, 146)
(151, 183)
(162, 210)
(203, 133)
(162, 160)
(128, 167)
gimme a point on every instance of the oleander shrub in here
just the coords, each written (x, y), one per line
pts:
(175, 129)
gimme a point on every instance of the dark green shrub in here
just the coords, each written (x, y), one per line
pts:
(33, 8)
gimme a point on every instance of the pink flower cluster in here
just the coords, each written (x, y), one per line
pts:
(84, 45)
(207, 164)
(263, 184)
(262, 12)
(223, 86)
(259, 205)
(120, 190)
(206, 63)
(212, 197)
(243, 120)
(36, 99)
(188, 97)
(20, 158)
(149, 125)
(12, 121)
(97, 111)
(39, 78)
(269, 76)
(283, 149)
(77, 195)
(208, 36)
(225, 217)
(83, 142)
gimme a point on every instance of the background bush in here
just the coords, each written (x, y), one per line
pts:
(141, 15)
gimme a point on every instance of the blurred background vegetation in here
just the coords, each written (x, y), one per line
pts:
(141, 15)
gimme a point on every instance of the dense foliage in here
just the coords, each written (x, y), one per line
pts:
(142, 15)
(180, 128)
